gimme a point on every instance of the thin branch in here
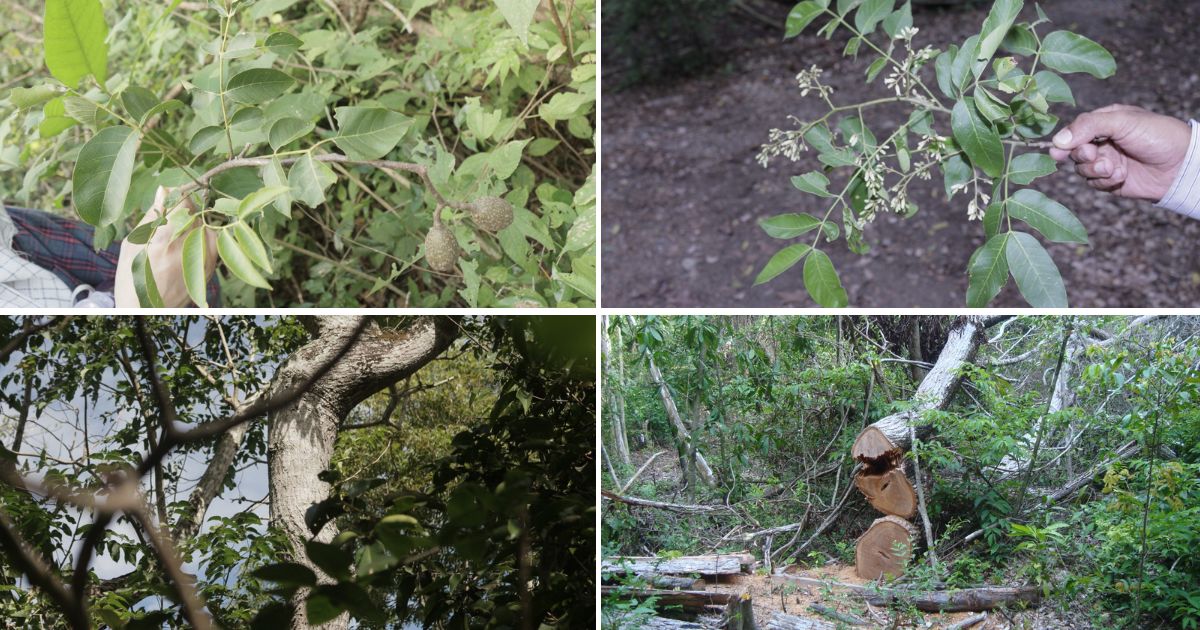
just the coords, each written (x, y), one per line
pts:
(387, 165)
(39, 573)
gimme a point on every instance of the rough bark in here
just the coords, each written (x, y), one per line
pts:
(957, 600)
(691, 602)
(664, 623)
(720, 564)
(934, 392)
(302, 435)
(685, 436)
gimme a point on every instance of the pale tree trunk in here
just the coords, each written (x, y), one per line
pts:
(302, 435)
(616, 399)
(685, 436)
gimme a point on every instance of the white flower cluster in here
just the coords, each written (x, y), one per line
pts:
(809, 80)
(903, 78)
(786, 142)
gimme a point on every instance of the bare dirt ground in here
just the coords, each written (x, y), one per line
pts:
(682, 194)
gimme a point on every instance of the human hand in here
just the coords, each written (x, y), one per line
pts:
(165, 257)
(1125, 150)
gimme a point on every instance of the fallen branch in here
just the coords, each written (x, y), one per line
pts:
(845, 618)
(968, 622)
(625, 488)
(783, 621)
(674, 507)
(956, 600)
(720, 564)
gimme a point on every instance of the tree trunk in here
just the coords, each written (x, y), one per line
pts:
(720, 564)
(886, 547)
(616, 400)
(302, 435)
(685, 436)
(783, 621)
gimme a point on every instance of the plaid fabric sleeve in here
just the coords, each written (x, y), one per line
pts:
(64, 246)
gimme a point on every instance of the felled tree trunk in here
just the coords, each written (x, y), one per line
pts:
(301, 436)
(720, 564)
(685, 436)
(880, 448)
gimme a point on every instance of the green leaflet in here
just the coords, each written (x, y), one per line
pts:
(519, 15)
(368, 133)
(1053, 88)
(1029, 166)
(74, 32)
(1067, 52)
(238, 261)
(783, 260)
(871, 13)
(194, 269)
(1047, 216)
(814, 183)
(822, 282)
(31, 97)
(308, 179)
(103, 173)
(258, 85)
(988, 271)
(801, 16)
(287, 130)
(250, 243)
(1038, 279)
(789, 225)
(144, 285)
(899, 20)
(995, 27)
(977, 138)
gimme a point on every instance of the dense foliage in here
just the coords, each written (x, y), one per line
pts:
(774, 403)
(998, 88)
(467, 503)
(325, 142)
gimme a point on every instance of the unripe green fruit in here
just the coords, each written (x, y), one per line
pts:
(441, 251)
(491, 213)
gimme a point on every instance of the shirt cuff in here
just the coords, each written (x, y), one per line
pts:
(1184, 195)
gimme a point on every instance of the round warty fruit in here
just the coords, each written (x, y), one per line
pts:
(441, 252)
(491, 213)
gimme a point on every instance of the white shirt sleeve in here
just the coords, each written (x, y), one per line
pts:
(1184, 195)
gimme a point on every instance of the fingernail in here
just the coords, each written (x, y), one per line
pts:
(1103, 168)
(1063, 139)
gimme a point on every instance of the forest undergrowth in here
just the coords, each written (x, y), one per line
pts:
(1065, 459)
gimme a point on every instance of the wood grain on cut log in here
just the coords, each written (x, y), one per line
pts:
(720, 564)
(876, 554)
(891, 492)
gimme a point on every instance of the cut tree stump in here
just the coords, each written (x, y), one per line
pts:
(783, 621)
(720, 564)
(876, 554)
(891, 492)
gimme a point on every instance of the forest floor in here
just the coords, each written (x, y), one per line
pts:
(683, 194)
(772, 594)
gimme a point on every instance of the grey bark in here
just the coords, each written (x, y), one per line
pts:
(616, 399)
(721, 564)
(302, 435)
(937, 387)
(685, 436)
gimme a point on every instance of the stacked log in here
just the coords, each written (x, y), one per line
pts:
(886, 546)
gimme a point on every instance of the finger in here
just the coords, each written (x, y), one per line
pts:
(1099, 169)
(1059, 155)
(1092, 125)
(1084, 153)
(1118, 107)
